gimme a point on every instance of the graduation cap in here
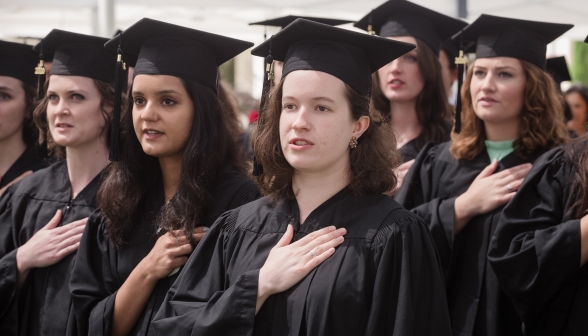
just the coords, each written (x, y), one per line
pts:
(557, 67)
(350, 56)
(18, 61)
(166, 49)
(284, 21)
(404, 18)
(497, 36)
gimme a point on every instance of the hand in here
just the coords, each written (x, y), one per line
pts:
(170, 252)
(50, 244)
(288, 263)
(23, 175)
(488, 192)
(401, 172)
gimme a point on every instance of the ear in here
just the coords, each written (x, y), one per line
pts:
(361, 126)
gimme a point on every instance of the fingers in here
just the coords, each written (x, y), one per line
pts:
(314, 262)
(488, 170)
(198, 236)
(69, 231)
(69, 241)
(287, 237)
(326, 238)
(53, 222)
(405, 166)
(181, 250)
(79, 222)
(200, 229)
(514, 173)
(67, 250)
(312, 236)
(325, 247)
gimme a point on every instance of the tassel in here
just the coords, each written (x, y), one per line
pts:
(40, 72)
(119, 76)
(370, 28)
(461, 61)
(267, 79)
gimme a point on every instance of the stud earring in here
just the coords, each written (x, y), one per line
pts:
(353, 142)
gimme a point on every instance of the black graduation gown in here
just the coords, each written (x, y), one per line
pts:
(28, 160)
(535, 252)
(43, 304)
(384, 279)
(102, 269)
(477, 306)
(411, 149)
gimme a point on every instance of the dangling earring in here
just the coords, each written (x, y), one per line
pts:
(353, 142)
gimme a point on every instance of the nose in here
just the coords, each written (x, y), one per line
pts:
(149, 112)
(394, 66)
(62, 108)
(300, 122)
(488, 83)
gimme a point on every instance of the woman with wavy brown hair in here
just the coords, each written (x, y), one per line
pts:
(44, 215)
(410, 90)
(324, 252)
(512, 113)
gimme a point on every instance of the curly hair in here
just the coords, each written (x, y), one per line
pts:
(541, 124)
(106, 91)
(432, 107)
(370, 163)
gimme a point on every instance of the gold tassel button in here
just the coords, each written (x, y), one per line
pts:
(461, 59)
(40, 69)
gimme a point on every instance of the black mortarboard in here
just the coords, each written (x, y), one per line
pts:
(497, 36)
(557, 67)
(404, 18)
(78, 55)
(283, 21)
(586, 40)
(350, 56)
(166, 49)
(18, 60)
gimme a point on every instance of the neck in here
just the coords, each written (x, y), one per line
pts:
(171, 168)
(313, 189)
(84, 163)
(404, 120)
(502, 132)
(10, 150)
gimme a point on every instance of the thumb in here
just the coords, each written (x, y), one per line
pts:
(287, 237)
(488, 170)
(54, 221)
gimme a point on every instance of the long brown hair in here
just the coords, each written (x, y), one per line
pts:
(432, 107)
(541, 120)
(106, 91)
(577, 154)
(123, 196)
(370, 163)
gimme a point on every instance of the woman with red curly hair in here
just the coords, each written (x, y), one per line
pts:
(511, 115)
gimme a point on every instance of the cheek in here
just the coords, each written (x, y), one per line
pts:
(181, 124)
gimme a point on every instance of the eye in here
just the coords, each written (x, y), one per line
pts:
(4, 96)
(410, 58)
(505, 74)
(52, 96)
(289, 106)
(323, 108)
(138, 101)
(77, 96)
(168, 102)
(478, 73)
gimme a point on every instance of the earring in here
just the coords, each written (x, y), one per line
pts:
(353, 142)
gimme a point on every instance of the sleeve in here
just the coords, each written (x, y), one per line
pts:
(417, 195)
(409, 295)
(9, 227)
(92, 300)
(202, 301)
(535, 252)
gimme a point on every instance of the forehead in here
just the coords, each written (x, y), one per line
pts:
(312, 83)
(155, 82)
(59, 82)
(10, 82)
(497, 62)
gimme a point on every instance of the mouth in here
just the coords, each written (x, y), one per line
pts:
(487, 100)
(395, 82)
(300, 144)
(152, 134)
(62, 125)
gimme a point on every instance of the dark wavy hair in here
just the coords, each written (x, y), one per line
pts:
(129, 182)
(577, 154)
(40, 116)
(370, 163)
(583, 92)
(432, 107)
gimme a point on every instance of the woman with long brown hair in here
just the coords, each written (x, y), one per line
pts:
(324, 252)
(44, 215)
(410, 90)
(19, 155)
(178, 171)
(512, 113)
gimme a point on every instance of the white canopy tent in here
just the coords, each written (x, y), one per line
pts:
(35, 18)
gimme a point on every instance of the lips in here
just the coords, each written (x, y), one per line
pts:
(395, 83)
(300, 144)
(152, 134)
(487, 100)
(62, 125)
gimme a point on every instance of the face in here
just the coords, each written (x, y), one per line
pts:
(73, 111)
(579, 112)
(315, 123)
(401, 80)
(162, 114)
(497, 89)
(449, 75)
(12, 107)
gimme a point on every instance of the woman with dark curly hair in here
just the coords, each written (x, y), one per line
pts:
(512, 113)
(577, 100)
(19, 156)
(324, 252)
(44, 215)
(178, 171)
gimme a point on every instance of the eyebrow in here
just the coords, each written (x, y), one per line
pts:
(70, 91)
(6, 88)
(162, 92)
(498, 68)
(315, 98)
